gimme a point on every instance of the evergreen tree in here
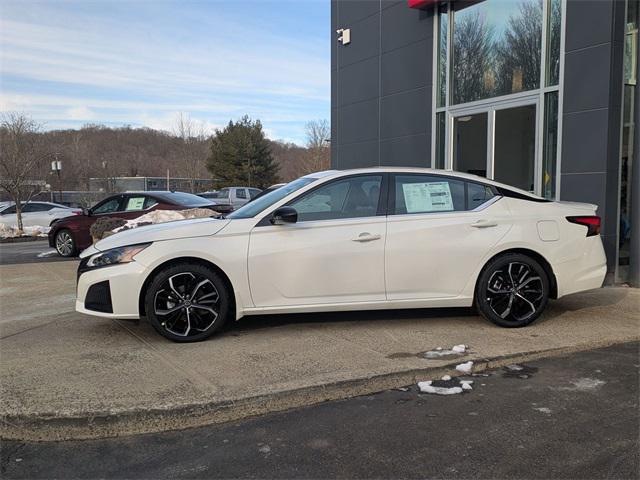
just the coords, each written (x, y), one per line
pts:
(241, 155)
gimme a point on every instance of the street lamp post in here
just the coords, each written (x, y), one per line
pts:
(56, 167)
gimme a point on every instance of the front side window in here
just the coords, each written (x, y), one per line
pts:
(108, 206)
(9, 211)
(352, 197)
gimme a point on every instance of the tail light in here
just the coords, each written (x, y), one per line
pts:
(592, 223)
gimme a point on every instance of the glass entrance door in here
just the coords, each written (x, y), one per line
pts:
(497, 141)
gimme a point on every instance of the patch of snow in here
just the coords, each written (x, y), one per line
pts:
(439, 348)
(459, 348)
(544, 410)
(7, 231)
(514, 367)
(48, 253)
(163, 216)
(446, 377)
(465, 367)
(466, 384)
(426, 387)
(585, 384)
(265, 449)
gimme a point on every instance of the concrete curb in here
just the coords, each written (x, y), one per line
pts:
(25, 238)
(92, 425)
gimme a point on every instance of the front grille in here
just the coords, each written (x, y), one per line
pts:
(98, 298)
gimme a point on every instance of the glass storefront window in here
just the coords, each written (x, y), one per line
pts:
(554, 24)
(496, 48)
(470, 144)
(443, 32)
(550, 145)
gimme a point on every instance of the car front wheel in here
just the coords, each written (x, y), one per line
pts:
(512, 290)
(187, 302)
(65, 244)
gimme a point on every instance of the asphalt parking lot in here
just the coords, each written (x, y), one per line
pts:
(37, 251)
(572, 417)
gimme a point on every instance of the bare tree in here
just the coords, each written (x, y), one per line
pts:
(318, 155)
(22, 159)
(191, 137)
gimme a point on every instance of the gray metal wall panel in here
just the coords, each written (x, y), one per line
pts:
(402, 25)
(412, 151)
(406, 113)
(354, 10)
(358, 122)
(407, 67)
(359, 81)
(365, 39)
(358, 155)
(587, 73)
(584, 153)
(589, 23)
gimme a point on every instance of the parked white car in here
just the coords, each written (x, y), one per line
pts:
(35, 213)
(350, 240)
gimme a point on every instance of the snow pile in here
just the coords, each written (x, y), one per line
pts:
(163, 216)
(7, 231)
(456, 350)
(465, 367)
(445, 386)
(48, 253)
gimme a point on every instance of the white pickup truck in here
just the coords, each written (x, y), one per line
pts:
(230, 198)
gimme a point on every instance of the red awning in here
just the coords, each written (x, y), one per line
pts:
(421, 3)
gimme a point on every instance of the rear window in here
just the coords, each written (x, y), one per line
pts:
(183, 199)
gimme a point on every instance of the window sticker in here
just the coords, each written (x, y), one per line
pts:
(427, 197)
(135, 203)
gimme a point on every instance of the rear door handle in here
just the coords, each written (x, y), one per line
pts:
(485, 224)
(366, 237)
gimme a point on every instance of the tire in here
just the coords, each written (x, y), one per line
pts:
(512, 290)
(65, 244)
(187, 302)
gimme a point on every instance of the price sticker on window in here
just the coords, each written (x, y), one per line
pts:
(135, 203)
(427, 197)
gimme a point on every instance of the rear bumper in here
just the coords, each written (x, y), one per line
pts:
(584, 273)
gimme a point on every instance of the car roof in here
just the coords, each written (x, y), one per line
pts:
(429, 171)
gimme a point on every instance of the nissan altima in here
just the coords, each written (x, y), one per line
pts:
(363, 239)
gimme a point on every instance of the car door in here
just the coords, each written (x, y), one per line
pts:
(333, 254)
(8, 216)
(439, 228)
(36, 213)
(240, 197)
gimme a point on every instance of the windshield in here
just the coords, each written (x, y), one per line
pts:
(253, 208)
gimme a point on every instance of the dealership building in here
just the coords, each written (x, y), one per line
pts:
(539, 94)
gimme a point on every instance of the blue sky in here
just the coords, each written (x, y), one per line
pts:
(140, 63)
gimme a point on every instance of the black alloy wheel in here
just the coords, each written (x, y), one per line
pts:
(512, 290)
(187, 303)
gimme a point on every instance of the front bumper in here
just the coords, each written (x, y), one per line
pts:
(121, 299)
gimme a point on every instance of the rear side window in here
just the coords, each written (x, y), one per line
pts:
(253, 192)
(135, 203)
(241, 193)
(10, 210)
(428, 194)
(477, 194)
(149, 202)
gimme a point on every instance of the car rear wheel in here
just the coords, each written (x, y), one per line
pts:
(187, 302)
(65, 244)
(512, 290)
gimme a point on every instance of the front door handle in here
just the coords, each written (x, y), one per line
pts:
(366, 237)
(484, 224)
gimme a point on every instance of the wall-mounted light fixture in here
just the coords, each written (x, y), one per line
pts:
(344, 36)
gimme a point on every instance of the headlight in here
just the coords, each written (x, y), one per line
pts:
(115, 255)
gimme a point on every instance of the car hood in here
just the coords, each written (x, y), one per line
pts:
(196, 227)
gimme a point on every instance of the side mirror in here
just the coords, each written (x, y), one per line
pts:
(284, 215)
(86, 211)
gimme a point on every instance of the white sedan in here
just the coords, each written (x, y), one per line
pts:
(35, 213)
(350, 240)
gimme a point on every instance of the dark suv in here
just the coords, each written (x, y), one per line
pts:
(71, 235)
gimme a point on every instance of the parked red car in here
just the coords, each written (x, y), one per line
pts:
(69, 236)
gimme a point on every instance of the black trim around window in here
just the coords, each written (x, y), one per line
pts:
(465, 182)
